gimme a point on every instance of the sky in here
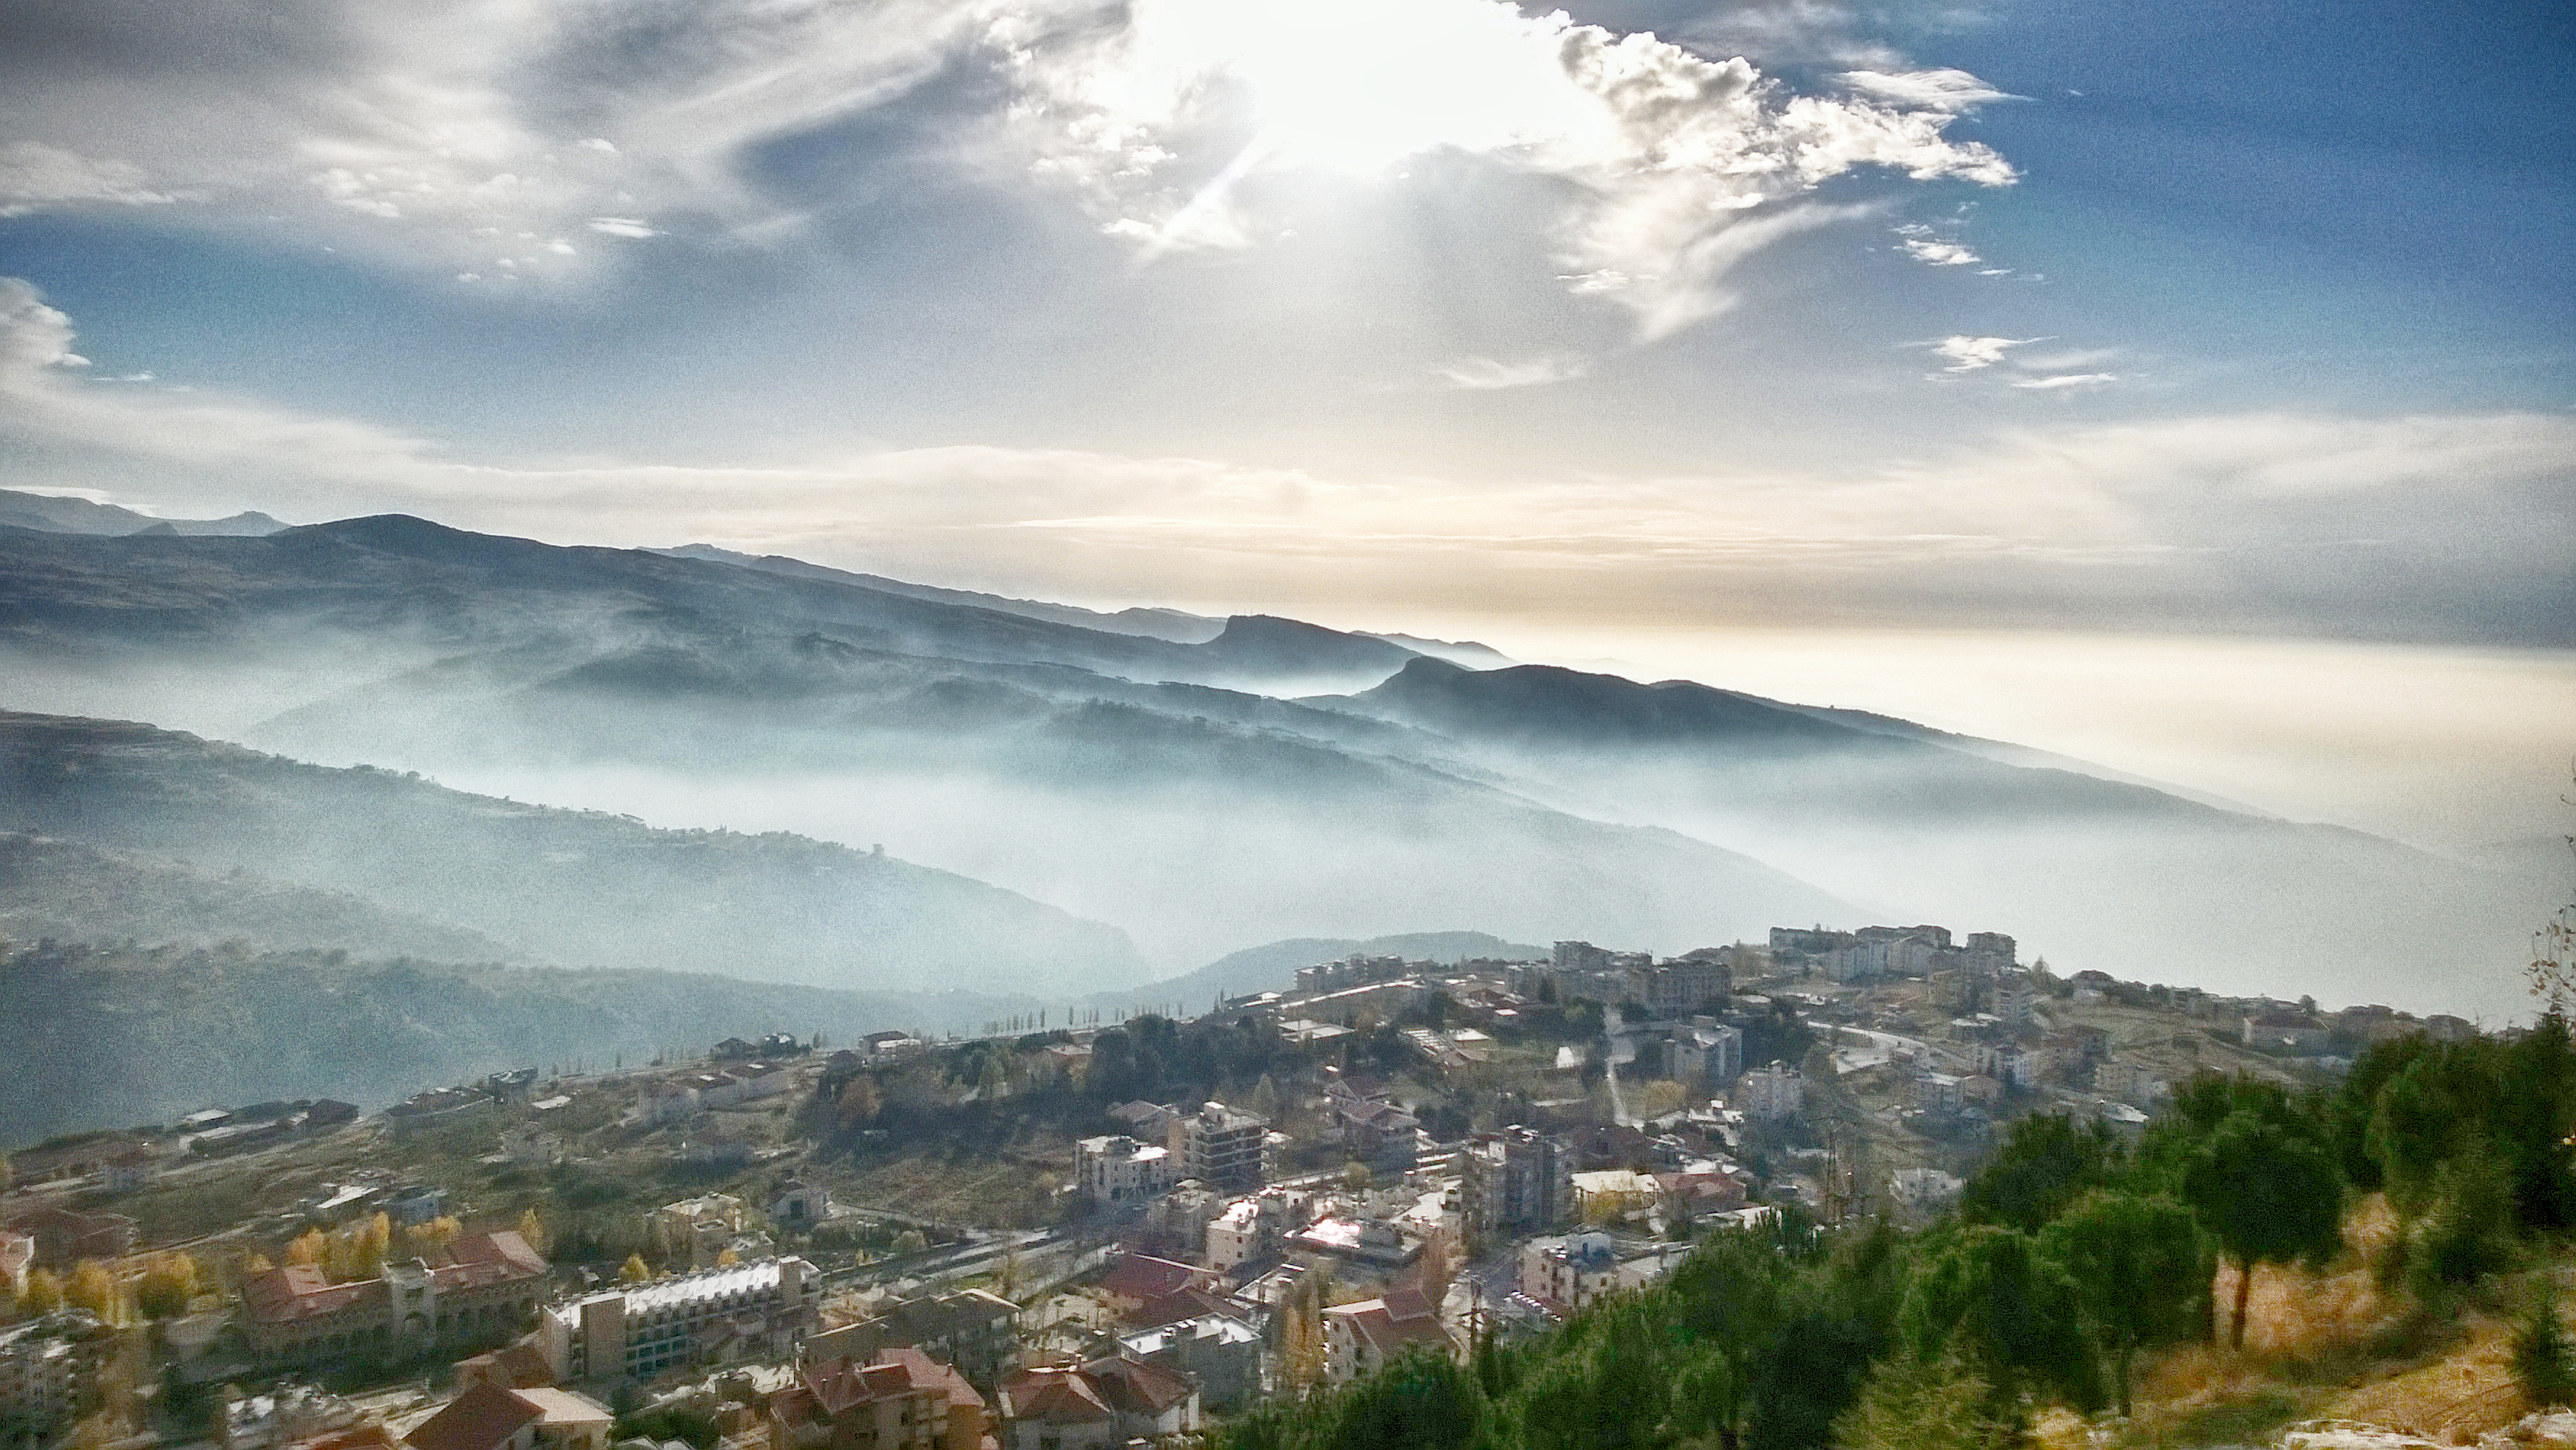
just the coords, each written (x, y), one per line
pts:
(2011, 321)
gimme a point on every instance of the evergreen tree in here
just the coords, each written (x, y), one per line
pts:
(2140, 1273)
(2544, 1364)
(2268, 1193)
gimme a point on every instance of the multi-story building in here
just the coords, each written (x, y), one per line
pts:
(901, 1399)
(2015, 994)
(46, 1367)
(2130, 1082)
(1117, 1169)
(695, 1230)
(481, 1287)
(1219, 1146)
(1684, 985)
(1518, 1180)
(1568, 1273)
(17, 1260)
(715, 1316)
(1773, 1092)
(1712, 1053)
(1222, 1353)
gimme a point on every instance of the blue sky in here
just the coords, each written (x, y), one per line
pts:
(2243, 319)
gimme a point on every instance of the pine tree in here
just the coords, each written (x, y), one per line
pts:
(2544, 1364)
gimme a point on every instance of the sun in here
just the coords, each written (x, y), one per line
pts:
(1360, 85)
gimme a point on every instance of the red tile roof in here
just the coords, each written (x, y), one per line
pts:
(1144, 1278)
(479, 1419)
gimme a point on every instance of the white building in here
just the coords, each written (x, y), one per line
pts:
(759, 1310)
(1235, 1237)
(1116, 1169)
(1570, 1272)
(1774, 1092)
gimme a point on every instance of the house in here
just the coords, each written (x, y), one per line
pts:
(1925, 1190)
(521, 1366)
(1707, 1053)
(974, 1331)
(1361, 1338)
(17, 1260)
(1135, 1280)
(64, 1236)
(901, 1399)
(2291, 1032)
(128, 1171)
(801, 1205)
(1096, 1405)
(488, 1417)
(417, 1205)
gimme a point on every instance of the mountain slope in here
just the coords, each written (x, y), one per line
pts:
(53, 888)
(2095, 872)
(1272, 966)
(166, 1030)
(55, 515)
(1178, 626)
(581, 888)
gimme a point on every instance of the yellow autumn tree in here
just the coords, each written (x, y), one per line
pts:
(257, 1263)
(636, 1270)
(93, 1288)
(44, 1294)
(375, 1240)
(533, 1229)
(308, 1249)
(438, 1233)
(727, 1259)
(168, 1286)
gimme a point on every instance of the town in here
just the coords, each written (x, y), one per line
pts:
(1053, 1237)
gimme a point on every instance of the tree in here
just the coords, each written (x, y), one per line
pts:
(1911, 1403)
(533, 1229)
(1422, 1401)
(2268, 1194)
(859, 1103)
(2140, 1271)
(1729, 1295)
(1991, 1297)
(2544, 1365)
(2046, 1162)
(167, 1287)
(93, 1288)
(307, 1249)
(44, 1294)
(636, 1271)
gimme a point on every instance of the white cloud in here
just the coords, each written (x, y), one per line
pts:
(1970, 354)
(1954, 91)
(1939, 254)
(2060, 381)
(1478, 374)
(623, 226)
(1680, 165)
(37, 177)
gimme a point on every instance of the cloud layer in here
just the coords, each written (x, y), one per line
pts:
(2435, 527)
(528, 138)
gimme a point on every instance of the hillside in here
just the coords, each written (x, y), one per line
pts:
(1272, 966)
(70, 891)
(167, 1030)
(578, 888)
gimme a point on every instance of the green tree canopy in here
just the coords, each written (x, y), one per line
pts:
(2046, 1162)
(2268, 1193)
(2140, 1270)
